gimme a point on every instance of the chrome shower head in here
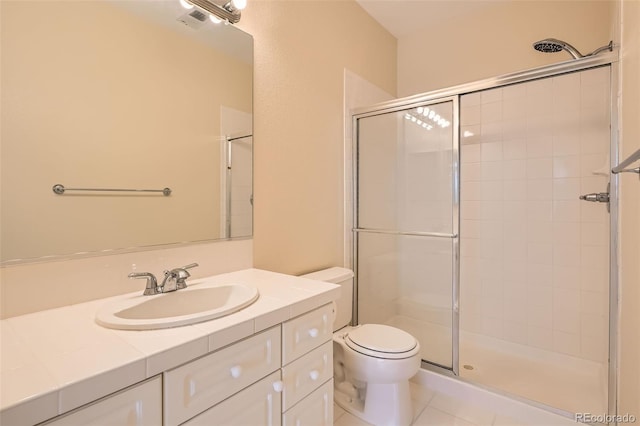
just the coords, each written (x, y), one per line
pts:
(552, 45)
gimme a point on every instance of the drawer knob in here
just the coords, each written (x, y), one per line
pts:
(236, 371)
(314, 374)
(278, 386)
(313, 332)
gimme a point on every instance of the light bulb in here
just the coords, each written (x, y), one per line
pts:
(239, 4)
(215, 19)
(186, 4)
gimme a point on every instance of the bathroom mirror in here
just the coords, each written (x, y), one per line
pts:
(133, 94)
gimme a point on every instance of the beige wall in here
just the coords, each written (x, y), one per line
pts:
(497, 40)
(629, 385)
(301, 51)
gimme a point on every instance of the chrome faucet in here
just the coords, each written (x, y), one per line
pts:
(152, 284)
(174, 279)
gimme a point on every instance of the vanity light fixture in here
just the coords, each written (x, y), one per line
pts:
(230, 12)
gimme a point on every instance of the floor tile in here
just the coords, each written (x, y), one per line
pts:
(434, 417)
(348, 419)
(463, 409)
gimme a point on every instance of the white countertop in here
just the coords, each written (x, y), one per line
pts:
(56, 360)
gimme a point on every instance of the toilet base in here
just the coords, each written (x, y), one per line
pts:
(382, 405)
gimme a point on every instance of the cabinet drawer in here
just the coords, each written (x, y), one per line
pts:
(306, 332)
(194, 387)
(259, 404)
(305, 374)
(137, 406)
(314, 410)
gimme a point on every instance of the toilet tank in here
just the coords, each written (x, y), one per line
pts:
(344, 304)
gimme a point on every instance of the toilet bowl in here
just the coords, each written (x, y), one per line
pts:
(372, 362)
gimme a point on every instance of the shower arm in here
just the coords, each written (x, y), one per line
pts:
(577, 55)
(608, 47)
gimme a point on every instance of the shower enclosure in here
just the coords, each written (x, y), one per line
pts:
(469, 232)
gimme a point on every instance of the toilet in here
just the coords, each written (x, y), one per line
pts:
(372, 363)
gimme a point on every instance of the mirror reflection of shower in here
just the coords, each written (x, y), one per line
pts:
(238, 194)
(236, 164)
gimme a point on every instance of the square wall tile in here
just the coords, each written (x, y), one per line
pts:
(470, 153)
(491, 151)
(566, 166)
(514, 149)
(540, 147)
(567, 343)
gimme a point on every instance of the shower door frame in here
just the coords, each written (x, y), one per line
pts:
(609, 59)
(455, 228)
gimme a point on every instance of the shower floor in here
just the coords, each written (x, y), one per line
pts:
(559, 381)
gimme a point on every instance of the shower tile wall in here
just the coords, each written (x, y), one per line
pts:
(534, 259)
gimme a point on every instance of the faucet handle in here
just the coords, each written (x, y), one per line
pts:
(189, 266)
(181, 275)
(152, 284)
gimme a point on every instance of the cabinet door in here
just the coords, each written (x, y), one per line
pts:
(203, 383)
(305, 374)
(306, 332)
(259, 404)
(315, 410)
(140, 405)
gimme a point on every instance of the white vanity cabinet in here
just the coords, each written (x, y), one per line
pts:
(307, 371)
(259, 404)
(139, 405)
(316, 409)
(286, 369)
(201, 384)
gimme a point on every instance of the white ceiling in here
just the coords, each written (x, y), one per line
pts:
(403, 17)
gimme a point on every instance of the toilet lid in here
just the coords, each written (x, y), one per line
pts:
(381, 340)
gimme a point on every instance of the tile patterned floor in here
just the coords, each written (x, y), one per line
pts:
(434, 408)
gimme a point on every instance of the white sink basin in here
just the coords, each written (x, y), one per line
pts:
(187, 306)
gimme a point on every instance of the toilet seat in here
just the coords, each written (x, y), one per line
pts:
(382, 341)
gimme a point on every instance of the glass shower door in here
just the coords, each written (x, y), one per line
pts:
(406, 224)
